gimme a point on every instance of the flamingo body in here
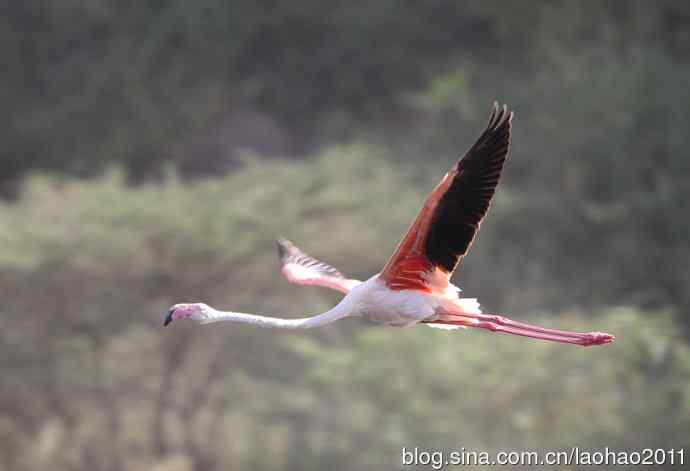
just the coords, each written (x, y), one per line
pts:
(376, 302)
(414, 286)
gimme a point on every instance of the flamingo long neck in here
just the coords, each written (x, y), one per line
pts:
(332, 315)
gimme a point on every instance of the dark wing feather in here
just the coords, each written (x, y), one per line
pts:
(445, 226)
(462, 207)
(291, 254)
(300, 268)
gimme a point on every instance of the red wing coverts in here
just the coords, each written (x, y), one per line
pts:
(447, 223)
(298, 267)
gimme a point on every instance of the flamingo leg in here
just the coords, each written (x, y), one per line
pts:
(498, 323)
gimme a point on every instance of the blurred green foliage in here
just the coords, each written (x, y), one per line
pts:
(92, 381)
(367, 103)
(88, 83)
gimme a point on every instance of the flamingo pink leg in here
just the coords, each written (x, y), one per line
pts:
(497, 323)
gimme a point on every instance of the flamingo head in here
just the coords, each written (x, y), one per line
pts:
(194, 311)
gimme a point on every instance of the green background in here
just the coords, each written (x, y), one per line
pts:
(153, 151)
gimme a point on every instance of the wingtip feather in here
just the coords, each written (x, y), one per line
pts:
(492, 116)
(284, 247)
(499, 116)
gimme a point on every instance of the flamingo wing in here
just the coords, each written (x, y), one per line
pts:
(446, 225)
(300, 268)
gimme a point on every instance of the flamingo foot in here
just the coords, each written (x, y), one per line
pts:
(597, 338)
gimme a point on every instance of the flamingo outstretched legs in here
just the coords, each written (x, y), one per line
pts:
(499, 323)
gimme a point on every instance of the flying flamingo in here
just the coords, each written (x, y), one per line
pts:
(414, 286)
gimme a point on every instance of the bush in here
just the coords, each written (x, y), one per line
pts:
(94, 381)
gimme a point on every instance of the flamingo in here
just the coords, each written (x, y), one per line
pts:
(414, 286)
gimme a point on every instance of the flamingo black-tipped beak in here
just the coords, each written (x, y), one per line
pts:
(168, 318)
